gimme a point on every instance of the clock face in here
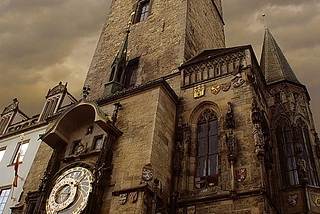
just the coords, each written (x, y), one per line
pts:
(70, 192)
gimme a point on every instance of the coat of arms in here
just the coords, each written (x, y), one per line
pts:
(123, 198)
(240, 174)
(225, 86)
(133, 196)
(292, 200)
(316, 200)
(147, 174)
(200, 182)
(198, 91)
(238, 81)
(215, 90)
(191, 210)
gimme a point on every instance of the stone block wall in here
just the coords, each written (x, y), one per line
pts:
(161, 41)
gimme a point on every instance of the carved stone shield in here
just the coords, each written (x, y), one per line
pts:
(215, 90)
(200, 182)
(316, 200)
(123, 198)
(191, 210)
(238, 82)
(226, 86)
(147, 174)
(240, 174)
(198, 91)
(292, 200)
(133, 196)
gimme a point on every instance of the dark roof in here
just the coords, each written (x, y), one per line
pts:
(206, 54)
(274, 64)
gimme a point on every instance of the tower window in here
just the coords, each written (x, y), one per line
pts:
(2, 151)
(131, 73)
(143, 10)
(208, 153)
(307, 155)
(287, 157)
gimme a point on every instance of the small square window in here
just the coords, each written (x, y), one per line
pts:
(97, 143)
(22, 149)
(75, 147)
(143, 10)
(2, 151)
(4, 195)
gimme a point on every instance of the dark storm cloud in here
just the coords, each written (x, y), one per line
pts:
(40, 43)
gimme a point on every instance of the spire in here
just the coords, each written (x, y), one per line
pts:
(274, 64)
(119, 65)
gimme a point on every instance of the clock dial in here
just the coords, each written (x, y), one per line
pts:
(70, 192)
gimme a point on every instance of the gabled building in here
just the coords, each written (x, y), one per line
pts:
(172, 121)
(21, 134)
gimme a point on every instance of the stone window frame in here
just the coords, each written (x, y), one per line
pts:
(94, 142)
(193, 144)
(303, 135)
(282, 128)
(138, 10)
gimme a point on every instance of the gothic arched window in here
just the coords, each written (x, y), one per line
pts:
(307, 155)
(207, 149)
(287, 157)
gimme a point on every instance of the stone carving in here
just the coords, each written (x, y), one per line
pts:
(191, 210)
(123, 198)
(316, 200)
(198, 91)
(258, 136)
(117, 106)
(147, 174)
(240, 174)
(85, 92)
(231, 144)
(133, 197)
(215, 90)
(292, 200)
(230, 122)
(82, 148)
(225, 86)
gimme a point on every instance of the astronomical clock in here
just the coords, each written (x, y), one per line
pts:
(80, 166)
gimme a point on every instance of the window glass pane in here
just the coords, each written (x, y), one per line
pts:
(213, 127)
(201, 167)
(22, 149)
(2, 151)
(213, 165)
(3, 198)
(98, 143)
(213, 144)
(202, 130)
(202, 147)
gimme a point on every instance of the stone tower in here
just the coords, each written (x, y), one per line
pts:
(163, 35)
(172, 121)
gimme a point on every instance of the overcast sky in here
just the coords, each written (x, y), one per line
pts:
(43, 42)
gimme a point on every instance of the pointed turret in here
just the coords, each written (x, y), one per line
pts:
(118, 67)
(274, 64)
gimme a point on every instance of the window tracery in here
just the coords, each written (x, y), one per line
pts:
(207, 149)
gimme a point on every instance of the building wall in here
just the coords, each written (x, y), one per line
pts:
(161, 41)
(147, 140)
(7, 167)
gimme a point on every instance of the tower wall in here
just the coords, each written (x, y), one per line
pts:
(161, 41)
